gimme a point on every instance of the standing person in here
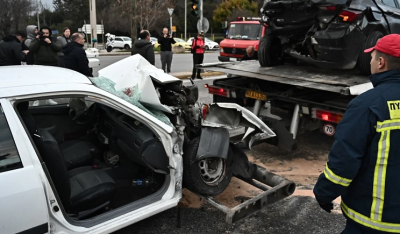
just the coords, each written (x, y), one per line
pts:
(63, 40)
(45, 49)
(198, 54)
(11, 52)
(75, 56)
(31, 33)
(144, 47)
(250, 54)
(165, 40)
(364, 163)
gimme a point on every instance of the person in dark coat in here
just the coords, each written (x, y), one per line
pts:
(11, 52)
(63, 40)
(166, 40)
(75, 56)
(144, 47)
(363, 163)
(45, 48)
(31, 33)
(250, 54)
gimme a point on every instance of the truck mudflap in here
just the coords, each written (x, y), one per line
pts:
(274, 188)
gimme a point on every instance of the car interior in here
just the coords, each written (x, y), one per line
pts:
(98, 158)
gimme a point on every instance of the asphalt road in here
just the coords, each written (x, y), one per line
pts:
(180, 62)
(293, 215)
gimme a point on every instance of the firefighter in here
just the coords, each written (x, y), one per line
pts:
(364, 162)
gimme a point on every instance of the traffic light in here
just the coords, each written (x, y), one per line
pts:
(195, 8)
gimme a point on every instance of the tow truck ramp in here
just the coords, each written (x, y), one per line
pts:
(345, 82)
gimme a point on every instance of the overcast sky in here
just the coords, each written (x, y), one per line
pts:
(48, 3)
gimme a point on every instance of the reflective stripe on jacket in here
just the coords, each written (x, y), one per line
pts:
(364, 162)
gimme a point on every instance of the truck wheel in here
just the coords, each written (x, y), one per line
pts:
(209, 176)
(364, 58)
(126, 47)
(270, 51)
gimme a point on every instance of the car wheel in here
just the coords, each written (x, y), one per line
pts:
(206, 47)
(364, 59)
(270, 51)
(207, 177)
(127, 47)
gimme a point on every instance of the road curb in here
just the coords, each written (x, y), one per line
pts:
(129, 53)
(205, 74)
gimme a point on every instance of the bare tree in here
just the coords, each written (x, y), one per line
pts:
(145, 12)
(12, 14)
(149, 11)
(6, 20)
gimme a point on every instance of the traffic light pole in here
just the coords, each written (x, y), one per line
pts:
(201, 15)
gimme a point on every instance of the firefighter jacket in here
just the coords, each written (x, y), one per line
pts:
(364, 162)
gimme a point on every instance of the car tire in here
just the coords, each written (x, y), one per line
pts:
(270, 51)
(364, 59)
(197, 179)
(206, 47)
(127, 47)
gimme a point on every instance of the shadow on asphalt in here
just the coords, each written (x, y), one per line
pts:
(294, 215)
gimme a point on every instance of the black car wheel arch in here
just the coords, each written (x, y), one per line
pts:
(364, 58)
(209, 176)
(270, 52)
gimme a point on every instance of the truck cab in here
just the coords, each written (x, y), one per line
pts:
(244, 32)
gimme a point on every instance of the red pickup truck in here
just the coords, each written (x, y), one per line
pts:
(244, 32)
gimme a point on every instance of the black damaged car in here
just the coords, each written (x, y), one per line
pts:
(329, 34)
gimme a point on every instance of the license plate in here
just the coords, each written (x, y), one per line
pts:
(256, 95)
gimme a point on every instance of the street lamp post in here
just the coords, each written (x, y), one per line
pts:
(37, 14)
(93, 22)
(185, 18)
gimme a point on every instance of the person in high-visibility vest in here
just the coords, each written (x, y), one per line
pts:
(364, 163)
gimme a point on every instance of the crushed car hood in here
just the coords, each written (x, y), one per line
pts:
(135, 71)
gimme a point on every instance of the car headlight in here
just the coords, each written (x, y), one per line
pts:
(221, 50)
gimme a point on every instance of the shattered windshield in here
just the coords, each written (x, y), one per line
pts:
(132, 96)
(244, 31)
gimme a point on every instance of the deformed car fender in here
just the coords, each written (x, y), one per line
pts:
(214, 142)
(232, 115)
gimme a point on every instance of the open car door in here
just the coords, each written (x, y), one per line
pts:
(22, 198)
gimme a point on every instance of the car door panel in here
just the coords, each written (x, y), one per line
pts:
(22, 198)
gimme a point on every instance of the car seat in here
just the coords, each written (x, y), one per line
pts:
(76, 153)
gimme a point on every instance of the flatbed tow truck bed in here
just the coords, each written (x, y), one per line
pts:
(291, 99)
(345, 82)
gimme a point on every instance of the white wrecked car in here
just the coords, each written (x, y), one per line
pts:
(110, 151)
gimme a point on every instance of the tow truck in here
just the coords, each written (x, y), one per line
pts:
(244, 32)
(291, 99)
